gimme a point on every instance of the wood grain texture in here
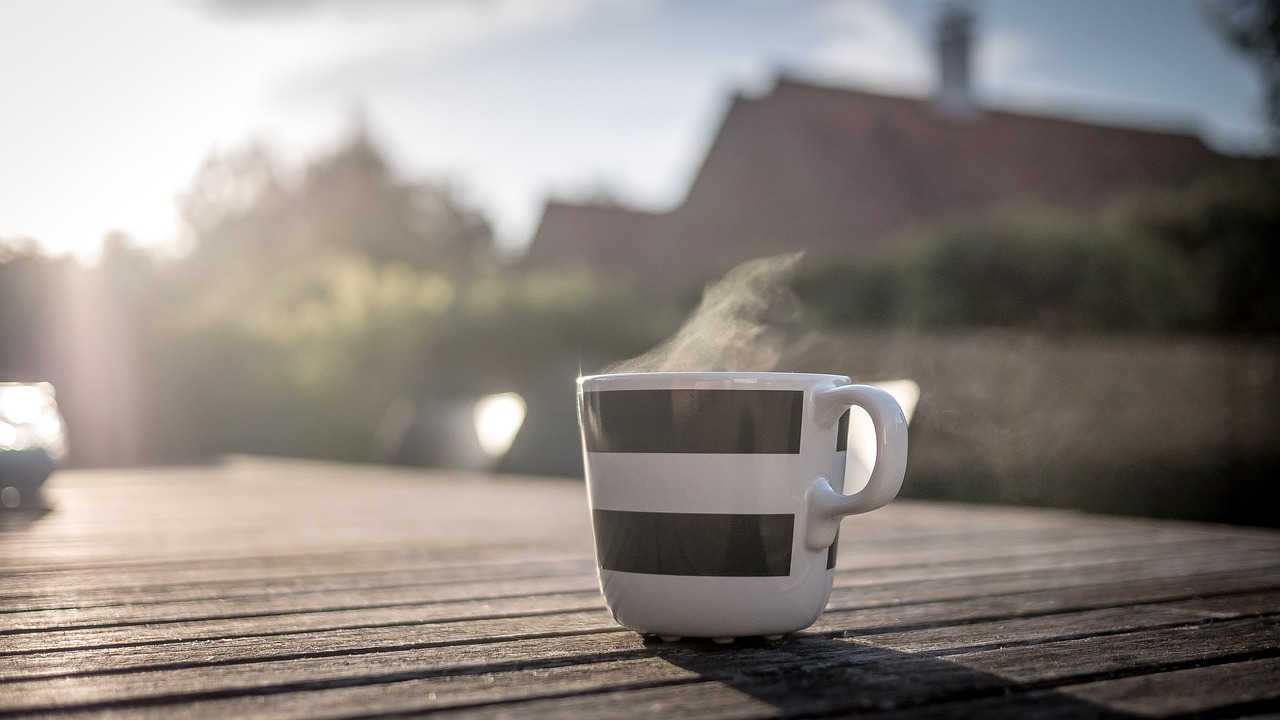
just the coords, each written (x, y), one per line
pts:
(286, 589)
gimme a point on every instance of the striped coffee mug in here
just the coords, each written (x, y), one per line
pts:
(716, 496)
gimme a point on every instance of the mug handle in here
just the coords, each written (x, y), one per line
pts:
(826, 506)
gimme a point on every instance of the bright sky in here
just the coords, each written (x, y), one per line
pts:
(108, 108)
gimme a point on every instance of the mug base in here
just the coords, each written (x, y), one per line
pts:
(714, 607)
(724, 640)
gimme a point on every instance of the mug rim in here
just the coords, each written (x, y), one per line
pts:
(712, 376)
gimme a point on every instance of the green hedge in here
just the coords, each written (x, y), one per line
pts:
(1205, 259)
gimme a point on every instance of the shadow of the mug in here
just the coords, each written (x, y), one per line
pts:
(812, 675)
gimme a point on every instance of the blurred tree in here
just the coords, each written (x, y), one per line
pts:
(1253, 26)
(228, 186)
(248, 222)
(350, 202)
(29, 284)
(235, 212)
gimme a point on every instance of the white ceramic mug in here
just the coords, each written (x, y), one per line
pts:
(716, 496)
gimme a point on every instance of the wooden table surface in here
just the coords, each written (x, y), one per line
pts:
(274, 588)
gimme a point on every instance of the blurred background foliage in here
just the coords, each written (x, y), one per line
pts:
(306, 302)
(1203, 259)
(309, 300)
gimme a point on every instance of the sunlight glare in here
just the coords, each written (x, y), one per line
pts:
(21, 404)
(498, 418)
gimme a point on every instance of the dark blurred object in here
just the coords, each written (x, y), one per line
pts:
(473, 433)
(33, 440)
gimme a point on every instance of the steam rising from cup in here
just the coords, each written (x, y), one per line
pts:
(747, 321)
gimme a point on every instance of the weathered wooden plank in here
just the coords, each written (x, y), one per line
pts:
(242, 507)
(931, 615)
(1243, 687)
(825, 683)
(1119, 564)
(870, 550)
(1120, 653)
(1019, 593)
(272, 589)
(570, 577)
(567, 692)
(931, 619)
(150, 578)
(280, 600)
(492, 599)
(434, 624)
(806, 678)
(844, 597)
(784, 676)
(795, 678)
(299, 664)
(1079, 542)
(915, 601)
(544, 643)
(242, 511)
(938, 638)
(53, 590)
(1011, 705)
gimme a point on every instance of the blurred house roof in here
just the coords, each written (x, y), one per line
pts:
(603, 236)
(830, 169)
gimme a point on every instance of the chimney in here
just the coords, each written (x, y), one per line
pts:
(955, 40)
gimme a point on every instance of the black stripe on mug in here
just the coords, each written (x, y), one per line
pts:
(693, 421)
(702, 544)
